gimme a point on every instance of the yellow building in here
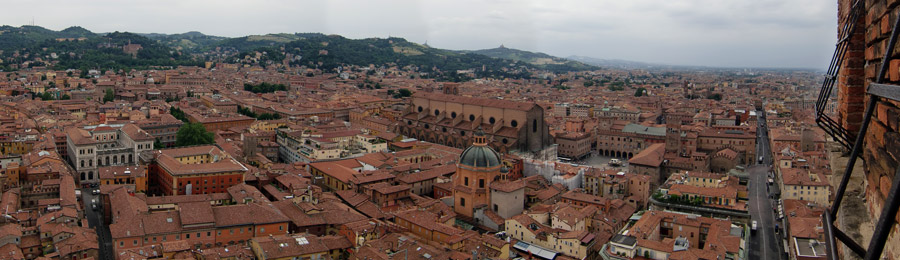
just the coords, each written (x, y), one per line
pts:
(570, 243)
(15, 147)
(135, 176)
(267, 125)
(805, 184)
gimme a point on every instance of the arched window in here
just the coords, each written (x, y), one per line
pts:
(471, 117)
(82, 165)
(420, 109)
(534, 125)
(453, 115)
(437, 112)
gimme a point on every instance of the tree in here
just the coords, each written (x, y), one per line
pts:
(639, 92)
(717, 97)
(193, 134)
(157, 144)
(403, 93)
(46, 96)
(65, 97)
(178, 114)
(109, 96)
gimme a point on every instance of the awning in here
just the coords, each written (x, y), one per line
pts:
(535, 250)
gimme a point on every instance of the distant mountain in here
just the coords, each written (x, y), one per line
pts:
(539, 59)
(616, 63)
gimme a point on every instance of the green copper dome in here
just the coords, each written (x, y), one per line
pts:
(479, 156)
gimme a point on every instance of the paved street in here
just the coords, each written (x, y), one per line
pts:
(95, 220)
(765, 243)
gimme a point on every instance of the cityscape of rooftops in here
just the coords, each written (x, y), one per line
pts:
(450, 130)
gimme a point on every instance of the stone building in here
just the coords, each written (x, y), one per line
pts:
(105, 145)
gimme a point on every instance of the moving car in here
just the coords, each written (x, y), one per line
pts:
(753, 226)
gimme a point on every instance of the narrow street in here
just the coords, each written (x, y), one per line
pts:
(95, 220)
(765, 243)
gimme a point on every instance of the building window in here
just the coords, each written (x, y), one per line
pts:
(462, 202)
(466, 181)
(492, 120)
(481, 183)
(514, 123)
(471, 117)
(534, 125)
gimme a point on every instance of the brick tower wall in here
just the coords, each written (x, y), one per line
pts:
(861, 64)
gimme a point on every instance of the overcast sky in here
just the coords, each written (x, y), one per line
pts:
(735, 33)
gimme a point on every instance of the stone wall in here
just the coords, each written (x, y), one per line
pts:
(882, 141)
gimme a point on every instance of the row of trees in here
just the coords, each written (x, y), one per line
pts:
(678, 199)
(264, 87)
(178, 114)
(49, 96)
(264, 116)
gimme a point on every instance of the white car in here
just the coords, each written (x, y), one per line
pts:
(753, 226)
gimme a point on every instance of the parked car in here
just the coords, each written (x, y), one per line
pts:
(615, 162)
(753, 226)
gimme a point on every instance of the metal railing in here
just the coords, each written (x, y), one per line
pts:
(831, 126)
(877, 91)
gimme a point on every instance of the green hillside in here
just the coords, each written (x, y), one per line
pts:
(539, 59)
(78, 48)
(332, 51)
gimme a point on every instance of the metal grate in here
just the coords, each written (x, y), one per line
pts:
(831, 126)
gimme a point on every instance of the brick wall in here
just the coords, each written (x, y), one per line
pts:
(882, 142)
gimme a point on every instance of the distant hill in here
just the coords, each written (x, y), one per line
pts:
(189, 41)
(332, 51)
(539, 59)
(79, 48)
(614, 62)
(251, 42)
(76, 47)
(13, 38)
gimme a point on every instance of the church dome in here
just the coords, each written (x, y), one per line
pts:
(479, 155)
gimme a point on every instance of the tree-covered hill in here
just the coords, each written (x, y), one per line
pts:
(78, 48)
(539, 59)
